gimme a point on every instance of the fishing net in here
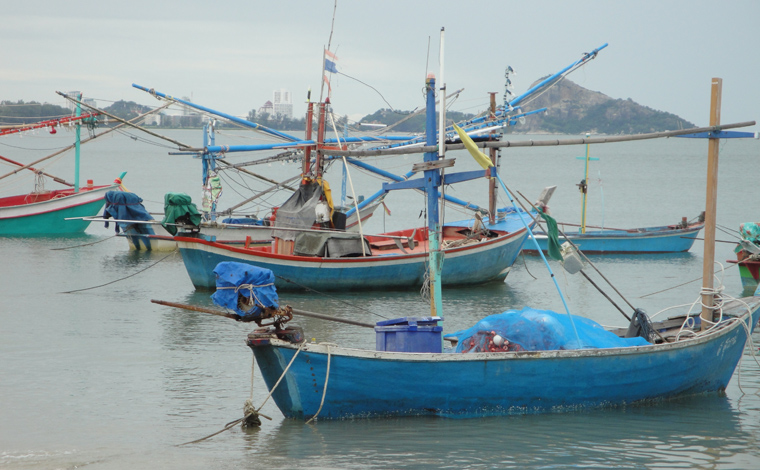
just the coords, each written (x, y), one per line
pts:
(537, 330)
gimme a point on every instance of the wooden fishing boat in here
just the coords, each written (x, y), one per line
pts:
(45, 212)
(471, 259)
(675, 238)
(493, 372)
(379, 261)
(371, 383)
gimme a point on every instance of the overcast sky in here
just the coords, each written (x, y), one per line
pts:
(230, 55)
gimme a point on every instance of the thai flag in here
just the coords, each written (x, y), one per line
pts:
(330, 60)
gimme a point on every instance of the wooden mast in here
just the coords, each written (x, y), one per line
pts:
(307, 150)
(492, 181)
(711, 203)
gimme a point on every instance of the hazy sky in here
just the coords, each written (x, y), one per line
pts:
(230, 55)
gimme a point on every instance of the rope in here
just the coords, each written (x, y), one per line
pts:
(248, 407)
(522, 255)
(86, 244)
(250, 287)
(327, 378)
(126, 277)
(324, 294)
(685, 283)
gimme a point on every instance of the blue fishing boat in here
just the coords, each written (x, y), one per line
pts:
(516, 362)
(674, 238)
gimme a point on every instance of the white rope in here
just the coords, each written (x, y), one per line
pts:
(250, 287)
(327, 378)
(281, 376)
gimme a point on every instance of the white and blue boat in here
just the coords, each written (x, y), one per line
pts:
(676, 238)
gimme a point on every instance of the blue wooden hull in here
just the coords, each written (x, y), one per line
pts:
(364, 384)
(664, 239)
(470, 264)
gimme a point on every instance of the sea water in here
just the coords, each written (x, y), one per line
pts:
(94, 375)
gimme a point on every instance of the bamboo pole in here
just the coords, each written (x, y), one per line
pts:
(238, 317)
(541, 143)
(26, 167)
(129, 123)
(711, 203)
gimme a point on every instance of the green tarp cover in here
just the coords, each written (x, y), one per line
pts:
(552, 245)
(179, 209)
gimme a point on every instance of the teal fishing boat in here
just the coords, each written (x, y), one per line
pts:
(52, 212)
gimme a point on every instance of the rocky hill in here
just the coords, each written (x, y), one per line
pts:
(573, 109)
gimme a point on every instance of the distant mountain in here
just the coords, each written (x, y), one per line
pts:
(573, 109)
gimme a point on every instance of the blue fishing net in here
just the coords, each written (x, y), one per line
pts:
(122, 205)
(243, 221)
(537, 330)
(244, 288)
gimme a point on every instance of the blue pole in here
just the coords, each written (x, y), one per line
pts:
(586, 57)
(433, 181)
(236, 119)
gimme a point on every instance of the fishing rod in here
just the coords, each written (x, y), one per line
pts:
(142, 116)
(51, 123)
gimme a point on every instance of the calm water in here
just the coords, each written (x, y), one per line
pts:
(102, 378)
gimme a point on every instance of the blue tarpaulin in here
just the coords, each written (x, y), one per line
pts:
(538, 330)
(234, 279)
(122, 205)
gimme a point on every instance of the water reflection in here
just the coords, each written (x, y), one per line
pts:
(697, 432)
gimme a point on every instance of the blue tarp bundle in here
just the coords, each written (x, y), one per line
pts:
(233, 279)
(122, 205)
(538, 330)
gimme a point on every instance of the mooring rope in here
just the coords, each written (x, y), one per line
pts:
(86, 244)
(332, 297)
(246, 409)
(126, 277)
(685, 283)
